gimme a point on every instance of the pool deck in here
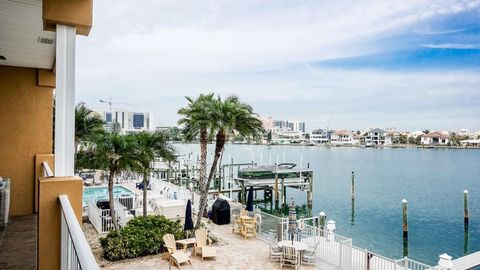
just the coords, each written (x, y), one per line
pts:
(234, 253)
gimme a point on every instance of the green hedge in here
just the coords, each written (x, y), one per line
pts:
(141, 236)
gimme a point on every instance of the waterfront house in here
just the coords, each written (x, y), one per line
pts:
(344, 137)
(434, 138)
(320, 136)
(37, 66)
(377, 136)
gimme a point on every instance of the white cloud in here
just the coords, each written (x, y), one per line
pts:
(152, 53)
(458, 46)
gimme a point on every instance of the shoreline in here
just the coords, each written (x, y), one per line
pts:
(393, 146)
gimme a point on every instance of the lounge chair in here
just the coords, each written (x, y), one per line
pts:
(176, 257)
(290, 257)
(201, 246)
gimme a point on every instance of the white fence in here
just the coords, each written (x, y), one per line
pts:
(75, 251)
(101, 219)
(339, 251)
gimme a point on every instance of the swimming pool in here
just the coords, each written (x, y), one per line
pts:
(98, 193)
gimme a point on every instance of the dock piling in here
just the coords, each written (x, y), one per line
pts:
(276, 195)
(323, 218)
(405, 226)
(465, 207)
(353, 185)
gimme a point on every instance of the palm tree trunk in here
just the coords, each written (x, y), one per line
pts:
(110, 197)
(145, 180)
(219, 145)
(203, 172)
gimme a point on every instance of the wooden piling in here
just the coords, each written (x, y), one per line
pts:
(405, 218)
(322, 218)
(284, 193)
(353, 185)
(405, 227)
(276, 195)
(465, 207)
(309, 191)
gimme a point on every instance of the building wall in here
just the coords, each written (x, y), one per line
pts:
(25, 130)
(49, 229)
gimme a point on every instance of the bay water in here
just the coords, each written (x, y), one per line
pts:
(432, 180)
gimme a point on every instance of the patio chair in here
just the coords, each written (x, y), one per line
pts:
(309, 255)
(170, 243)
(275, 253)
(290, 258)
(249, 228)
(236, 220)
(176, 257)
(202, 246)
(243, 212)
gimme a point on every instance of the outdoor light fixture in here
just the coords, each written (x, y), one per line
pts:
(2, 57)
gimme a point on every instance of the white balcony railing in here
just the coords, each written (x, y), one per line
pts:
(75, 251)
(46, 171)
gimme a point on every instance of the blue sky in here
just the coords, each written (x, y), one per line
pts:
(342, 64)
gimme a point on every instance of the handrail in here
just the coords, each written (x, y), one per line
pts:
(83, 252)
(47, 172)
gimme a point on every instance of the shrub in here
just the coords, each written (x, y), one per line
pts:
(141, 236)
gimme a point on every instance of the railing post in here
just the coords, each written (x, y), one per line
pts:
(63, 242)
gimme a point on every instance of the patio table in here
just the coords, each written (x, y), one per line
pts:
(185, 242)
(297, 245)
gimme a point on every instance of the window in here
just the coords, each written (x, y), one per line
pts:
(138, 121)
(108, 117)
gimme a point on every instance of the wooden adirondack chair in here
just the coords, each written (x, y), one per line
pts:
(170, 243)
(176, 257)
(202, 246)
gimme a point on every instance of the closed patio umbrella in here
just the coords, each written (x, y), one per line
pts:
(188, 218)
(292, 220)
(250, 199)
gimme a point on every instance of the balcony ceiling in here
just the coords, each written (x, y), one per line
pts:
(22, 39)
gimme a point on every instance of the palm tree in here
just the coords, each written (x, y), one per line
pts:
(113, 152)
(197, 121)
(229, 117)
(149, 146)
(86, 124)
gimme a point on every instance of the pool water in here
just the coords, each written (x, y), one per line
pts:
(98, 193)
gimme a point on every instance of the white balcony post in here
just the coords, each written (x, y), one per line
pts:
(65, 100)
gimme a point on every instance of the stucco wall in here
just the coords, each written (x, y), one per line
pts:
(25, 130)
(49, 223)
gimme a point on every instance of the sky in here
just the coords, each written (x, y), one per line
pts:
(412, 65)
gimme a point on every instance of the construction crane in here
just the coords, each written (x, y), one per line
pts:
(110, 103)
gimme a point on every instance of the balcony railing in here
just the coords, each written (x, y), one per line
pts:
(75, 251)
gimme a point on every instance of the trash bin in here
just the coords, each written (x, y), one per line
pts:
(221, 212)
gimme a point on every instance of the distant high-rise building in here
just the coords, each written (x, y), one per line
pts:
(127, 121)
(296, 126)
(282, 124)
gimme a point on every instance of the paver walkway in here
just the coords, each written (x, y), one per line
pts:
(236, 254)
